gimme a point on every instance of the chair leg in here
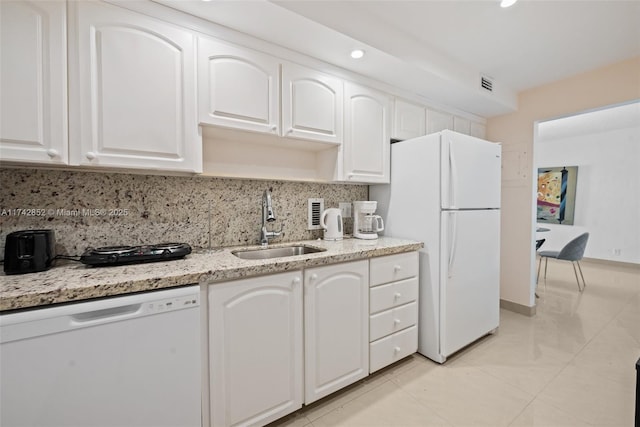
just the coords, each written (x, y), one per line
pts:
(576, 273)
(584, 284)
(546, 260)
(539, 265)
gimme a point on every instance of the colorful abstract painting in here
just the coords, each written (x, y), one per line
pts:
(557, 194)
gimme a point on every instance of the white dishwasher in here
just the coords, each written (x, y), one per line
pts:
(124, 361)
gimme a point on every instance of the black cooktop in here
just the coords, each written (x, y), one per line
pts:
(119, 255)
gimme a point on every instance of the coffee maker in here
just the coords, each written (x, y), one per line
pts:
(366, 224)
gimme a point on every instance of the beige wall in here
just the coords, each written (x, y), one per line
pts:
(609, 85)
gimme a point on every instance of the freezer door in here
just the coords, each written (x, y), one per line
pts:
(469, 277)
(470, 172)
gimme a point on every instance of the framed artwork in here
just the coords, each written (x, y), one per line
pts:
(557, 194)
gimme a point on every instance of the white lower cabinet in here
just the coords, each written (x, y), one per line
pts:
(390, 321)
(255, 349)
(394, 347)
(336, 304)
(276, 343)
(393, 294)
(393, 309)
(392, 268)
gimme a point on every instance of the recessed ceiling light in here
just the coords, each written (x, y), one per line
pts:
(357, 53)
(507, 3)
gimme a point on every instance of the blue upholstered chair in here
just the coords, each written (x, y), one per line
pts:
(572, 251)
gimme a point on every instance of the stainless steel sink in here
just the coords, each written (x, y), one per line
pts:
(283, 251)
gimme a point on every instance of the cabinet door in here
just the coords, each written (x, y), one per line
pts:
(133, 98)
(255, 349)
(312, 105)
(409, 120)
(33, 81)
(336, 314)
(437, 121)
(478, 130)
(238, 87)
(367, 146)
(462, 125)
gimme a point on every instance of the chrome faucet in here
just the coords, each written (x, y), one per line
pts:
(267, 216)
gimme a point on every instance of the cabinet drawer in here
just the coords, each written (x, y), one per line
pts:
(387, 350)
(393, 267)
(392, 295)
(390, 321)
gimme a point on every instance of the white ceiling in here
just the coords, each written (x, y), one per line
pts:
(437, 49)
(524, 46)
(591, 122)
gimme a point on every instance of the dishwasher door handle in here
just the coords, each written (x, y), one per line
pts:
(107, 315)
(70, 317)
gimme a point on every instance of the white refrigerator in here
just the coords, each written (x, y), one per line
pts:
(445, 192)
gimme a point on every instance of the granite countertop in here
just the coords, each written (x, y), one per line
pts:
(77, 282)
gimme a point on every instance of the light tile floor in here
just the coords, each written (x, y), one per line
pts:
(573, 364)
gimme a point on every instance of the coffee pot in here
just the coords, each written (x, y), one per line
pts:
(372, 224)
(366, 224)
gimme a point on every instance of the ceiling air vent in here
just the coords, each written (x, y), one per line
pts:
(316, 207)
(486, 83)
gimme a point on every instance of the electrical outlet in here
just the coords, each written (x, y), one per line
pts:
(617, 251)
(346, 209)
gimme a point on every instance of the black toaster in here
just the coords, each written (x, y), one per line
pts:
(29, 251)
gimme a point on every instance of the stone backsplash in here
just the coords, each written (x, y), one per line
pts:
(106, 209)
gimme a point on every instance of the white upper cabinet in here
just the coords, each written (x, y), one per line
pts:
(461, 125)
(438, 121)
(33, 82)
(336, 319)
(366, 147)
(312, 105)
(409, 120)
(478, 130)
(237, 87)
(132, 91)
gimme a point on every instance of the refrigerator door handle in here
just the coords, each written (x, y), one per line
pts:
(452, 242)
(453, 178)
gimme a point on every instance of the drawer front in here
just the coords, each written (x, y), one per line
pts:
(391, 268)
(390, 349)
(394, 320)
(392, 295)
